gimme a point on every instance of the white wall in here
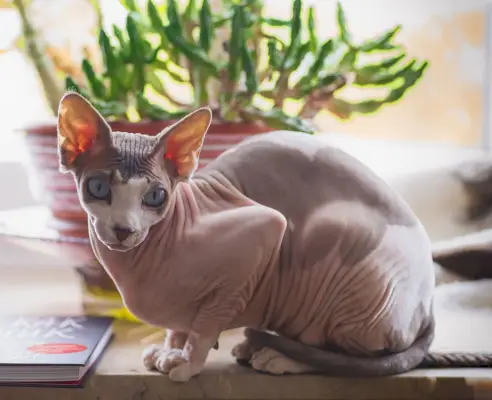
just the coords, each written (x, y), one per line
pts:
(14, 190)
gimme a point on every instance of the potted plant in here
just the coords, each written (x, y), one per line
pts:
(257, 74)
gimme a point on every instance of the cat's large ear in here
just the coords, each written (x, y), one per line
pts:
(181, 143)
(81, 129)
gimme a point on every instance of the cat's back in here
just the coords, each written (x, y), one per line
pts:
(297, 173)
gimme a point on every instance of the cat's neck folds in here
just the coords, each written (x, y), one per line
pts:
(198, 198)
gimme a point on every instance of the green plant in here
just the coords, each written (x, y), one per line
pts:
(52, 62)
(272, 70)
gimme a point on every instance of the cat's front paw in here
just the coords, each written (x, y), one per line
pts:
(157, 357)
(173, 362)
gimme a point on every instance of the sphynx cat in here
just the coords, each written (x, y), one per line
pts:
(281, 234)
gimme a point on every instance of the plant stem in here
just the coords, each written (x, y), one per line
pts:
(44, 67)
(320, 99)
(258, 11)
(264, 75)
(282, 89)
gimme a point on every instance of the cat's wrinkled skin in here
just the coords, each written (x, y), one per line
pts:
(282, 233)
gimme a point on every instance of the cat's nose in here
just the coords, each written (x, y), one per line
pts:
(122, 232)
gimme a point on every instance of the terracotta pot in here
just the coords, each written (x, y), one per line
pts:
(57, 191)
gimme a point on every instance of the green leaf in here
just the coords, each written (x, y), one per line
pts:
(275, 22)
(410, 79)
(250, 18)
(206, 33)
(277, 119)
(329, 79)
(300, 55)
(313, 37)
(348, 61)
(382, 42)
(136, 53)
(126, 78)
(124, 46)
(135, 40)
(154, 81)
(384, 78)
(110, 109)
(295, 32)
(191, 51)
(318, 63)
(164, 65)
(367, 71)
(345, 109)
(130, 5)
(150, 110)
(109, 57)
(154, 17)
(119, 35)
(235, 42)
(200, 88)
(218, 22)
(94, 82)
(173, 16)
(156, 22)
(153, 111)
(274, 54)
(321, 82)
(114, 68)
(71, 85)
(190, 10)
(249, 69)
(152, 55)
(342, 25)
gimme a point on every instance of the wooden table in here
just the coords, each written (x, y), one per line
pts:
(36, 278)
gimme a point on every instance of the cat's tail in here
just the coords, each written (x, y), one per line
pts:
(340, 364)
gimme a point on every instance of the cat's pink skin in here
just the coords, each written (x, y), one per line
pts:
(282, 233)
(196, 272)
(212, 264)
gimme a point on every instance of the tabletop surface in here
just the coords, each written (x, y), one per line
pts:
(36, 278)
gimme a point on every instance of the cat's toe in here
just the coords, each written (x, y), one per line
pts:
(156, 357)
(150, 355)
(169, 360)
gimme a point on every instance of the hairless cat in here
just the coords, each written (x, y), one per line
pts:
(282, 233)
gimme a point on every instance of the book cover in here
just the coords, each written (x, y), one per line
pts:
(57, 340)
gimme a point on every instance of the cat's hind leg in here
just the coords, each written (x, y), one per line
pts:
(272, 362)
(267, 360)
(243, 352)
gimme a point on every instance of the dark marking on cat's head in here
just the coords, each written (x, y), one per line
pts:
(125, 180)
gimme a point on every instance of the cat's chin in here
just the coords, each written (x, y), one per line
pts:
(118, 247)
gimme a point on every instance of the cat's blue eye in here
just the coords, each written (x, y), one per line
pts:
(155, 197)
(98, 188)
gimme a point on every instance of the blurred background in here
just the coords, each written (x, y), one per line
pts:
(417, 143)
(448, 106)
